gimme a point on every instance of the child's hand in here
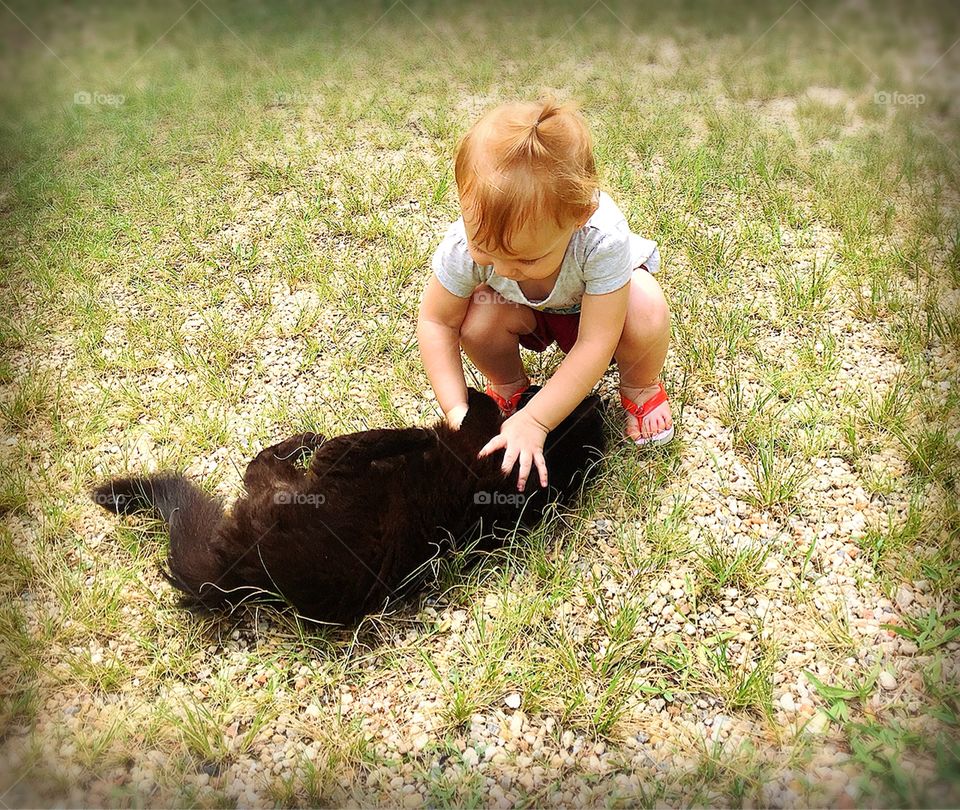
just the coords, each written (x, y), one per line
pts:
(523, 437)
(455, 415)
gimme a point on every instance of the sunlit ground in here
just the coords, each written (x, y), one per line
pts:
(216, 223)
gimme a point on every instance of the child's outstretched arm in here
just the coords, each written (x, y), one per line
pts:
(601, 324)
(438, 335)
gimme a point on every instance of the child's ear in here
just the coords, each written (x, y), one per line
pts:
(583, 220)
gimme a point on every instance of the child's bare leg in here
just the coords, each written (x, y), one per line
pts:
(642, 351)
(490, 335)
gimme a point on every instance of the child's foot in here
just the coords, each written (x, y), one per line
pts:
(649, 419)
(507, 395)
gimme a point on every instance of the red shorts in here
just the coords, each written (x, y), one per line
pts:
(552, 326)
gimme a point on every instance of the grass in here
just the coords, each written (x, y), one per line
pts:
(236, 251)
(777, 477)
(722, 566)
(747, 686)
(803, 291)
(930, 631)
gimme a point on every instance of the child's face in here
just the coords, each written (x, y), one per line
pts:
(539, 247)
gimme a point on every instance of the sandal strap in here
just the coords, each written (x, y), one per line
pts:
(506, 405)
(642, 410)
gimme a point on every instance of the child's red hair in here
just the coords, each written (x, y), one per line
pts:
(524, 160)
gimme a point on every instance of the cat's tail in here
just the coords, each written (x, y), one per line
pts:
(192, 517)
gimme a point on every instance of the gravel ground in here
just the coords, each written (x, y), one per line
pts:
(507, 750)
(139, 703)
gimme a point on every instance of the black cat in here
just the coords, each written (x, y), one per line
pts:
(339, 537)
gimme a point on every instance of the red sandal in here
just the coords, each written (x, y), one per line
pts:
(507, 406)
(640, 411)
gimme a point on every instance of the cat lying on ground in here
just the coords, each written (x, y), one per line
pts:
(340, 537)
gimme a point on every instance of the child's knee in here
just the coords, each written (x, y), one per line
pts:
(648, 315)
(491, 316)
(481, 315)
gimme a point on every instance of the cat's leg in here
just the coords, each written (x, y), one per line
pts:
(280, 460)
(296, 447)
(353, 452)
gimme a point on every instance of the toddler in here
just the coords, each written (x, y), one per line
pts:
(539, 255)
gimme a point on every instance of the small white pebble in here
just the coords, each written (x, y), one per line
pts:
(818, 723)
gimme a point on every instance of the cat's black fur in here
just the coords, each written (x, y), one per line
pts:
(339, 538)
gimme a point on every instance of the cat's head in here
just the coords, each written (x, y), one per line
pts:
(483, 418)
(588, 410)
(582, 428)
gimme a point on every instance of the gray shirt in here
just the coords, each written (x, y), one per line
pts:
(600, 258)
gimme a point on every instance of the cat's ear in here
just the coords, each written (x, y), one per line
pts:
(589, 408)
(589, 405)
(482, 412)
(528, 394)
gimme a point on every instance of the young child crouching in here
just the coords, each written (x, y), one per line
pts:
(539, 255)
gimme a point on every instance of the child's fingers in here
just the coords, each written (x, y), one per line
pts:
(509, 459)
(541, 466)
(493, 445)
(526, 461)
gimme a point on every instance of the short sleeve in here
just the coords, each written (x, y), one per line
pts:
(609, 265)
(453, 265)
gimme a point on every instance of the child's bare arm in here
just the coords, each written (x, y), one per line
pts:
(438, 334)
(601, 325)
